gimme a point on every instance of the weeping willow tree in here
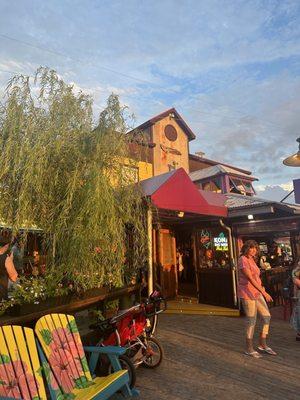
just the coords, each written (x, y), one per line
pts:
(59, 173)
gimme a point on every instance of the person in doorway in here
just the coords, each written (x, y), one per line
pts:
(180, 267)
(7, 270)
(295, 318)
(254, 299)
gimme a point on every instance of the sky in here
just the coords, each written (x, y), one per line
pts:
(231, 68)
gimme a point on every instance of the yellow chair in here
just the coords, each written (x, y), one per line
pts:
(20, 368)
(70, 376)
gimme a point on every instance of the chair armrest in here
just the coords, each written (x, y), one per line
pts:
(109, 350)
(112, 352)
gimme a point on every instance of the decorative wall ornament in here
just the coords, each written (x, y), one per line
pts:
(171, 133)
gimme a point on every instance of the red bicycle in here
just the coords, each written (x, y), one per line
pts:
(133, 329)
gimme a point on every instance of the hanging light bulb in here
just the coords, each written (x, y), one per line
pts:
(294, 160)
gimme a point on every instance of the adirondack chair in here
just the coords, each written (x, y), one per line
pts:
(70, 376)
(20, 368)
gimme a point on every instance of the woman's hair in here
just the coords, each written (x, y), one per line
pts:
(249, 244)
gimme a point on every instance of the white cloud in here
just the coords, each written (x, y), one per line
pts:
(231, 68)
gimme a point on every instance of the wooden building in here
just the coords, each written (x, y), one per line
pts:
(202, 231)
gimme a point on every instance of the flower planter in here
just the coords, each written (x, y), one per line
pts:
(43, 305)
(66, 304)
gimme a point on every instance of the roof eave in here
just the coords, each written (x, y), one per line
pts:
(189, 133)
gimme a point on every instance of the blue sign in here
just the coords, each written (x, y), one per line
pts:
(296, 183)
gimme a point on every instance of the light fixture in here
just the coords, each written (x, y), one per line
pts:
(180, 214)
(250, 216)
(294, 160)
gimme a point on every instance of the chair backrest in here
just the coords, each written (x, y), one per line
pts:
(20, 368)
(62, 346)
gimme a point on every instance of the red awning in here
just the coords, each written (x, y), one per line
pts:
(176, 191)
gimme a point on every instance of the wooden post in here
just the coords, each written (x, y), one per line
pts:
(154, 256)
(160, 259)
(175, 264)
(150, 251)
(195, 258)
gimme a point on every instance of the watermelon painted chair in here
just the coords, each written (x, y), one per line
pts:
(70, 376)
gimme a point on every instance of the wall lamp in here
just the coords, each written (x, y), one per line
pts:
(294, 160)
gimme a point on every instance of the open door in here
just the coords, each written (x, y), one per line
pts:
(167, 261)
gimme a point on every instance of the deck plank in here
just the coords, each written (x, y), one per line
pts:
(204, 360)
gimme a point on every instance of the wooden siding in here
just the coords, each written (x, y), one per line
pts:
(195, 165)
(163, 158)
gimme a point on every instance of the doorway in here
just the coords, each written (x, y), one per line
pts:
(167, 262)
(187, 279)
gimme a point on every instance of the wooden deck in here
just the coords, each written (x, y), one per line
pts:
(184, 305)
(204, 360)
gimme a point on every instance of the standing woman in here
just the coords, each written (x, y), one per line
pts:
(295, 319)
(254, 298)
(7, 270)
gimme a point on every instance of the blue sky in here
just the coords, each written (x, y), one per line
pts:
(231, 68)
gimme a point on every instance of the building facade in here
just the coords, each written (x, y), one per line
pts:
(195, 251)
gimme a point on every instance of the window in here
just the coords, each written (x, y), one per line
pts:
(214, 185)
(171, 133)
(248, 187)
(241, 186)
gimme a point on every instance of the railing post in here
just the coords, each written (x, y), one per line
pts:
(150, 251)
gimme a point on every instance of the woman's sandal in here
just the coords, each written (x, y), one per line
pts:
(267, 350)
(254, 354)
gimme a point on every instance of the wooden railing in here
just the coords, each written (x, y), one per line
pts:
(67, 304)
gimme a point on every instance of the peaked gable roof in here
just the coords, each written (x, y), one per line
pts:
(180, 121)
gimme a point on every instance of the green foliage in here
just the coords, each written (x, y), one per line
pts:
(4, 359)
(112, 305)
(60, 174)
(5, 305)
(82, 382)
(72, 327)
(85, 365)
(46, 335)
(30, 290)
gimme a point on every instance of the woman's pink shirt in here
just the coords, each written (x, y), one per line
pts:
(246, 290)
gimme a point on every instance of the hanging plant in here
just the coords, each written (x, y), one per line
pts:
(61, 174)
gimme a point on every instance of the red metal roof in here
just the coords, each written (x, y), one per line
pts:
(175, 191)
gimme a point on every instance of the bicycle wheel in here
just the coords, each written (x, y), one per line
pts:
(127, 364)
(153, 353)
